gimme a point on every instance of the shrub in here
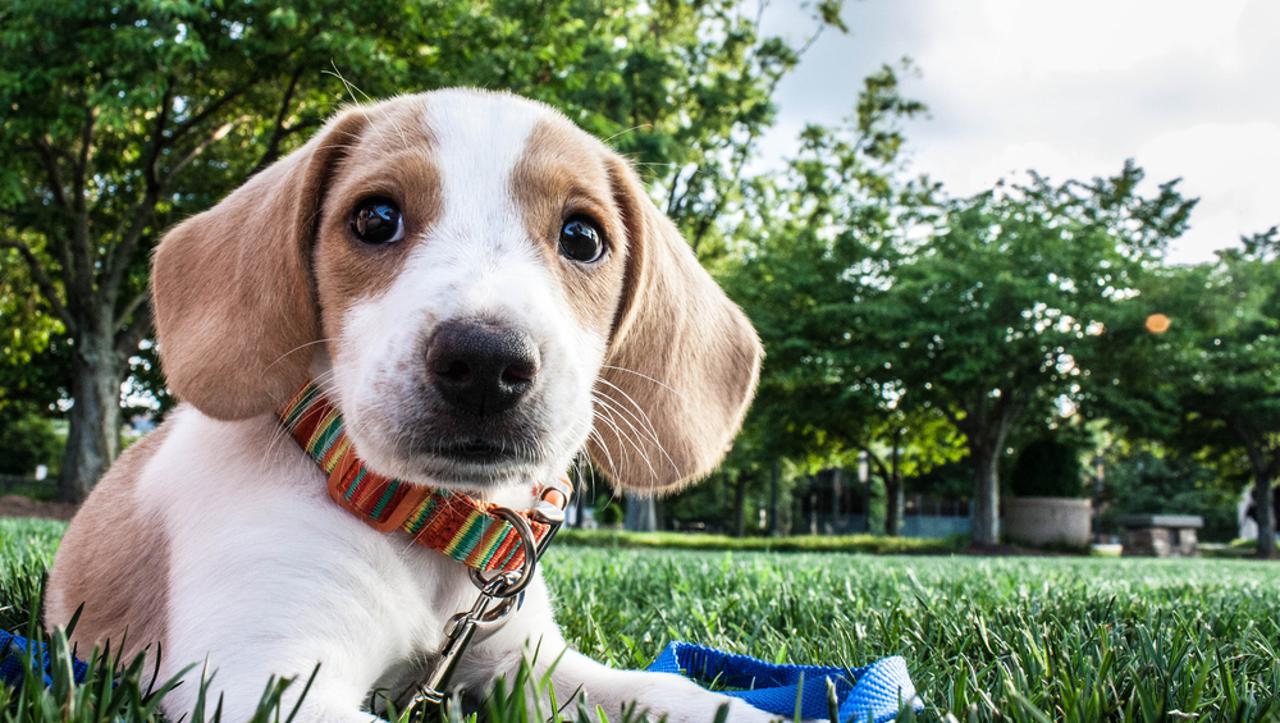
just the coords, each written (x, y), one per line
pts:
(1047, 468)
(25, 442)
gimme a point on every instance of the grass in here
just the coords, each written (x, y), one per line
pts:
(871, 544)
(1034, 639)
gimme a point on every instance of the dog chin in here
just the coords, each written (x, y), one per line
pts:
(471, 475)
(430, 469)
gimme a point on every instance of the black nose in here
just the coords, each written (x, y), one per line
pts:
(481, 367)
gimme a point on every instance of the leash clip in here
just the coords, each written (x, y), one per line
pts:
(460, 630)
(506, 588)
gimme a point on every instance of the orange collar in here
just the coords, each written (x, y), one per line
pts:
(452, 523)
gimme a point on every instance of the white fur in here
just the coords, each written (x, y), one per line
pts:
(477, 260)
(270, 577)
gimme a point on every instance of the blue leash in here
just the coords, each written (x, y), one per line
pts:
(876, 693)
(14, 651)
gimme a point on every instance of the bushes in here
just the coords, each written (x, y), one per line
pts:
(1047, 468)
(1142, 481)
(26, 442)
(871, 544)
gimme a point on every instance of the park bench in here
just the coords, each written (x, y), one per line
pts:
(1160, 535)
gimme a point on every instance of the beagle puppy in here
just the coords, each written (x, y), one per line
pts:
(485, 291)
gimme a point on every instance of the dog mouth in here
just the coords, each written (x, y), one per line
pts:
(475, 463)
(477, 451)
(439, 449)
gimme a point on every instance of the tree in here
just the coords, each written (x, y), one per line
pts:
(127, 116)
(986, 317)
(124, 117)
(818, 239)
(911, 441)
(1144, 477)
(1191, 360)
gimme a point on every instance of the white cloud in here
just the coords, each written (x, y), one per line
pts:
(1071, 90)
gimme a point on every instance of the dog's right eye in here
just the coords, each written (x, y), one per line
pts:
(377, 221)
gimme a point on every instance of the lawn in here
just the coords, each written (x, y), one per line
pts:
(1034, 639)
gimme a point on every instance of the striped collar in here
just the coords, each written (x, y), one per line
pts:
(452, 523)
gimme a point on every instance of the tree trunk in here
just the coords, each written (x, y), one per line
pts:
(893, 492)
(740, 505)
(641, 515)
(93, 438)
(774, 475)
(837, 511)
(1265, 510)
(579, 502)
(986, 494)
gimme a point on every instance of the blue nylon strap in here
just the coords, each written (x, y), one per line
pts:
(876, 693)
(14, 650)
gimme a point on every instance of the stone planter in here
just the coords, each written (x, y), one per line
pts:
(1042, 521)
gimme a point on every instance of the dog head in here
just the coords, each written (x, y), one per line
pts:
(481, 287)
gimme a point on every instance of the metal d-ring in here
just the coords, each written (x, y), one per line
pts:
(508, 586)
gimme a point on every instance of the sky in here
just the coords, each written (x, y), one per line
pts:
(1189, 89)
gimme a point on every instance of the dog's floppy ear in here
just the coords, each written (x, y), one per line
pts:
(683, 359)
(234, 305)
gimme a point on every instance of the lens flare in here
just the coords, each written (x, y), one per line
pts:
(1157, 323)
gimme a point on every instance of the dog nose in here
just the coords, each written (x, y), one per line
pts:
(481, 367)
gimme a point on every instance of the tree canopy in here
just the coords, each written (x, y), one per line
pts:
(1192, 358)
(125, 117)
(906, 328)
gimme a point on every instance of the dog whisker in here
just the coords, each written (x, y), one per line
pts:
(640, 416)
(648, 378)
(653, 435)
(298, 348)
(635, 444)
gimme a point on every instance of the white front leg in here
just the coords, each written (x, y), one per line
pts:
(533, 629)
(657, 695)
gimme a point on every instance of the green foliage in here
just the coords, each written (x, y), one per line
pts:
(986, 318)
(814, 243)
(32, 363)
(807, 266)
(124, 117)
(899, 321)
(27, 441)
(609, 512)
(1208, 384)
(1145, 479)
(1048, 468)
(1019, 639)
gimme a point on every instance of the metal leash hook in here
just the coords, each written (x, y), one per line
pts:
(505, 587)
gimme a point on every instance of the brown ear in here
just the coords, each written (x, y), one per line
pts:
(234, 306)
(683, 362)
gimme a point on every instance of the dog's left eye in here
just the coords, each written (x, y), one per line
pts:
(377, 221)
(581, 241)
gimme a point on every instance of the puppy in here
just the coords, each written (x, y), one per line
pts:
(484, 291)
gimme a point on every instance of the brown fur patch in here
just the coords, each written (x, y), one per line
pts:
(347, 270)
(683, 362)
(683, 359)
(235, 311)
(563, 174)
(114, 560)
(237, 316)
